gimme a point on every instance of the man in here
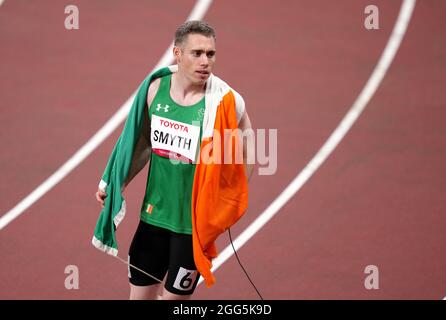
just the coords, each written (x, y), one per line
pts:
(170, 215)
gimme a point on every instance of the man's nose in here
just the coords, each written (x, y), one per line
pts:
(204, 60)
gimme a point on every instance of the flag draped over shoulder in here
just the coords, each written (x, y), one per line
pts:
(220, 188)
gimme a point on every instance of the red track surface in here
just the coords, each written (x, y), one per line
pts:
(378, 200)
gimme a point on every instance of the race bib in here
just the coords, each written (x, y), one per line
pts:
(174, 139)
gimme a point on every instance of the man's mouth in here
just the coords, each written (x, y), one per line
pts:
(203, 72)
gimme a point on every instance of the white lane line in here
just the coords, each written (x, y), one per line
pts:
(359, 105)
(198, 12)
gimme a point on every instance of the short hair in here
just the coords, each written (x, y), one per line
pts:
(193, 27)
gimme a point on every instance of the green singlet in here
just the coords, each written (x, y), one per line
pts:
(175, 137)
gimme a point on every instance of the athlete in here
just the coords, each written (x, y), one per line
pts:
(162, 244)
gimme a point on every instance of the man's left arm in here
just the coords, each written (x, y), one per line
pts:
(248, 147)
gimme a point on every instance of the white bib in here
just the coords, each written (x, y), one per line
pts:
(174, 137)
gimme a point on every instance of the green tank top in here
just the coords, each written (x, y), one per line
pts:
(175, 137)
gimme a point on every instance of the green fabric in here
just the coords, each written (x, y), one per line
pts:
(118, 167)
(169, 185)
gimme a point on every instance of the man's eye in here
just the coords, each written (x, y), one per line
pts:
(197, 54)
(211, 54)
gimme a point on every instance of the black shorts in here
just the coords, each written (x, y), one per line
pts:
(156, 251)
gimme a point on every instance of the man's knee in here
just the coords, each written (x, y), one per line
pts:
(144, 292)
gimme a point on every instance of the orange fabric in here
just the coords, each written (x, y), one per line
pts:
(220, 190)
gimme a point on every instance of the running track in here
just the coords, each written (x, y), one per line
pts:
(377, 200)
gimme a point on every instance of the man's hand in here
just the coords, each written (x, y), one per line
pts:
(100, 196)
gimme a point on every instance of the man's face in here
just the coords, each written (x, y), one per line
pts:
(196, 57)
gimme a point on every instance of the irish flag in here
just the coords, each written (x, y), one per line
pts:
(220, 188)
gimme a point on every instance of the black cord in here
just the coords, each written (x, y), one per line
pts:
(235, 252)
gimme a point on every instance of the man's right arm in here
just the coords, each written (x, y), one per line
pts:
(151, 93)
(143, 141)
(143, 147)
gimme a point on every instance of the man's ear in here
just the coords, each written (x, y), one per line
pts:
(177, 54)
